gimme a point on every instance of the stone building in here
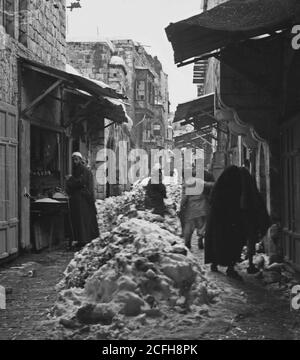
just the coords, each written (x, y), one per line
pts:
(130, 70)
(32, 29)
(46, 111)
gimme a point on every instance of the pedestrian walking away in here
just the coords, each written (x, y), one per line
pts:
(237, 215)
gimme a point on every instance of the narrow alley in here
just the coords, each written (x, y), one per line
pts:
(150, 170)
(247, 310)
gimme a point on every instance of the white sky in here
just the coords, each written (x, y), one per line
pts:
(143, 21)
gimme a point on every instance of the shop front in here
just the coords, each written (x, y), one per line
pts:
(258, 80)
(9, 216)
(290, 167)
(59, 111)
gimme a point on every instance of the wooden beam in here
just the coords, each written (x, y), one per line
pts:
(40, 123)
(42, 96)
(203, 112)
(206, 56)
(109, 125)
(58, 99)
(43, 71)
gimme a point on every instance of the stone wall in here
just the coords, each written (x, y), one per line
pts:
(91, 59)
(39, 35)
(8, 73)
(42, 30)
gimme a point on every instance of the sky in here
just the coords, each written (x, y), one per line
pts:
(143, 21)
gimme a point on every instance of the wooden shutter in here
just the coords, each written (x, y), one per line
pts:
(290, 152)
(8, 180)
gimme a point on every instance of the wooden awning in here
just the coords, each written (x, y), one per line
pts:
(95, 91)
(199, 112)
(229, 23)
(194, 137)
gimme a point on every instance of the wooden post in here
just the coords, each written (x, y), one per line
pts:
(42, 96)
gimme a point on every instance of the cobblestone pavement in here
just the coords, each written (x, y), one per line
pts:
(29, 298)
(247, 310)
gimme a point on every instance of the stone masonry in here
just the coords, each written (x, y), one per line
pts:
(116, 62)
(38, 34)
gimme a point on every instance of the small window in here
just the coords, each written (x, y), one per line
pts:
(156, 129)
(140, 90)
(150, 93)
(8, 16)
(23, 21)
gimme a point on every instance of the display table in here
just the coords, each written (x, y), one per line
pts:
(48, 223)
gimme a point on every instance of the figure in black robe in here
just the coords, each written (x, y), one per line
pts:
(80, 188)
(155, 195)
(237, 214)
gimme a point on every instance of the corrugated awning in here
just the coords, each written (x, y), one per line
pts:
(95, 88)
(111, 101)
(229, 23)
(200, 110)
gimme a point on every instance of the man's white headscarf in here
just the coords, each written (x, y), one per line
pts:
(77, 154)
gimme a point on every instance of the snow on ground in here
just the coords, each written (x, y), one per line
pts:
(137, 271)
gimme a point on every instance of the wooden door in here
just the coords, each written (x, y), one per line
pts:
(290, 166)
(8, 181)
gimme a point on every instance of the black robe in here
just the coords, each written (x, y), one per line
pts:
(154, 199)
(80, 188)
(237, 212)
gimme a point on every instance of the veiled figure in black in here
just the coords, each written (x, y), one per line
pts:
(155, 195)
(238, 217)
(80, 188)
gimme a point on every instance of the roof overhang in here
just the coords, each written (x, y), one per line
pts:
(227, 24)
(95, 91)
(199, 112)
(200, 106)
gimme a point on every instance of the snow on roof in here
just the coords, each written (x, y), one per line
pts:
(120, 102)
(117, 61)
(71, 70)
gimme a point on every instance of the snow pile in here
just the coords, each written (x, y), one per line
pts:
(115, 210)
(174, 192)
(138, 272)
(111, 208)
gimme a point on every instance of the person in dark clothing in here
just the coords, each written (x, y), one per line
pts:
(255, 218)
(155, 195)
(237, 213)
(80, 188)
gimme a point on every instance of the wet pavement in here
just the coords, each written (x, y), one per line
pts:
(31, 292)
(246, 310)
